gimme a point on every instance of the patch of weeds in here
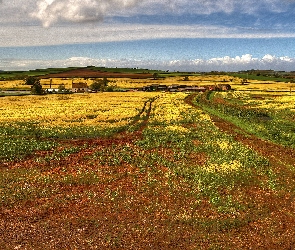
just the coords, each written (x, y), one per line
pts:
(227, 205)
(23, 184)
(223, 225)
(58, 155)
(242, 132)
(18, 148)
(266, 123)
(80, 178)
(272, 180)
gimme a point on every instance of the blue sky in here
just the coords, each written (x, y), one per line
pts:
(166, 34)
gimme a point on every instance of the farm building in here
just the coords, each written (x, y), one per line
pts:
(155, 87)
(224, 87)
(79, 87)
(219, 87)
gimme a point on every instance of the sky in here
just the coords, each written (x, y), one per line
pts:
(185, 35)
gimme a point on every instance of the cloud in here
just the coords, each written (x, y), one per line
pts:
(51, 11)
(226, 63)
(57, 13)
(246, 62)
(38, 36)
(230, 6)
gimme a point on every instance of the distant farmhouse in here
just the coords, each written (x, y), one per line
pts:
(79, 87)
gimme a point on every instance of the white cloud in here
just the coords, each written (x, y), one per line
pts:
(49, 12)
(269, 58)
(38, 36)
(226, 63)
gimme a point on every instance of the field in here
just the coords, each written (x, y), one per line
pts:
(122, 78)
(149, 170)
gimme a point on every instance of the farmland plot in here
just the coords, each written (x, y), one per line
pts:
(25, 120)
(172, 177)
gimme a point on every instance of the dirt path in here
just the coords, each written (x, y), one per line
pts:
(277, 154)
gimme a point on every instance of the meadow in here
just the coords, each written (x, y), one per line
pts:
(149, 170)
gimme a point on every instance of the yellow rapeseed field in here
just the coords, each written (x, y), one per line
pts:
(170, 113)
(99, 109)
(15, 84)
(275, 101)
(170, 108)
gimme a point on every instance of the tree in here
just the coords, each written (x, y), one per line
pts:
(99, 84)
(186, 78)
(156, 76)
(31, 80)
(36, 87)
(61, 88)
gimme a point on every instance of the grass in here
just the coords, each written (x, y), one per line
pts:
(273, 125)
(261, 77)
(18, 148)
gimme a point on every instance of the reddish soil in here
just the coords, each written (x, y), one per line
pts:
(89, 73)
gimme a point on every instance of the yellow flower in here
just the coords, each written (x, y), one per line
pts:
(223, 144)
(224, 167)
(179, 129)
(101, 109)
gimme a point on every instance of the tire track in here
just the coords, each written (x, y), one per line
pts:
(277, 154)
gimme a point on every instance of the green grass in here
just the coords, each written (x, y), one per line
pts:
(16, 75)
(275, 126)
(17, 148)
(260, 77)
